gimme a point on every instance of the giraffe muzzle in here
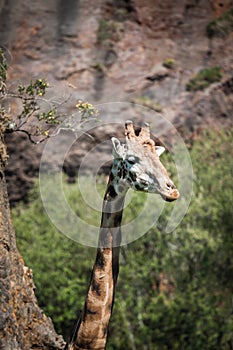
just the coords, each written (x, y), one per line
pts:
(171, 195)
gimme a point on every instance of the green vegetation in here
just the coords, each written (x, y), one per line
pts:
(37, 114)
(204, 78)
(30, 97)
(147, 102)
(221, 26)
(170, 63)
(109, 30)
(175, 290)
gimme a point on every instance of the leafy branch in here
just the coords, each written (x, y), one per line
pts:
(34, 119)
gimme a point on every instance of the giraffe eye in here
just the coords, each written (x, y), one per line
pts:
(131, 160)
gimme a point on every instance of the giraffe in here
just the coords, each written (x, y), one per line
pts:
(136, 165)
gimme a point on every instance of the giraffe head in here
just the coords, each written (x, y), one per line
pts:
(137, 165)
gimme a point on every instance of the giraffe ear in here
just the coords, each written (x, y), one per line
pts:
(159, 150)
(118, 149)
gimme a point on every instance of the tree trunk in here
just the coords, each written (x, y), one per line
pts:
(23, 326)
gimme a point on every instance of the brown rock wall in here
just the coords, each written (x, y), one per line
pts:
(114, 51)
(23, 326)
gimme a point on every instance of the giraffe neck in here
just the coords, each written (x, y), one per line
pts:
(92, 330)
(112, 210)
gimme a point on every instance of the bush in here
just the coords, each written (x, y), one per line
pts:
(108, 31)
(222, 26)
(170, 63)
(204, 78)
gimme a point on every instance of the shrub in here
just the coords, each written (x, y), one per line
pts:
(170, 63)
(222, 26)
(108, 31)
(204, 78)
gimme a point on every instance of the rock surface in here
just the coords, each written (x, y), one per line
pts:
(23, 325)
(114, 51)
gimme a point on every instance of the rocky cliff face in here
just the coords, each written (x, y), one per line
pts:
(114, 51)
(23, 325)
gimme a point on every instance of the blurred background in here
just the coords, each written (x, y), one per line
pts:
(175, 58)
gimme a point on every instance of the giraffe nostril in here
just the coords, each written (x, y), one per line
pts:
(170, 185)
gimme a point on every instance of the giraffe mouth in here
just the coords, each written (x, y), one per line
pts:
(169, 193)
(170, 196)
